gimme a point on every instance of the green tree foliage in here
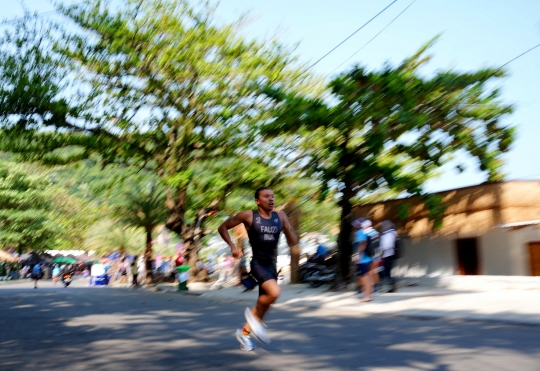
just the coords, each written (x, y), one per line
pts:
(73, 216)
(390, 130)
(108, 236)
(144, 208)
(25, 210)
(154, 84)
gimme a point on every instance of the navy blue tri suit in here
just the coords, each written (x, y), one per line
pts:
(263, 238)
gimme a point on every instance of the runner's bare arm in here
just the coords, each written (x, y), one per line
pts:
(242, 217)
(292, 238)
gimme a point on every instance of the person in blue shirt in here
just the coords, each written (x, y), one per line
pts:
(321, 254)
(37, 274)
(363, 261)
(56, 274)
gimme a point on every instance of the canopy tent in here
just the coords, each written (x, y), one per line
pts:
(64, 260)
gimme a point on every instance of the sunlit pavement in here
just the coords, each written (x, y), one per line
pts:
(82, 328)
(500, 306)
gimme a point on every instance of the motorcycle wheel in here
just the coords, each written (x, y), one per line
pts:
(307, 276)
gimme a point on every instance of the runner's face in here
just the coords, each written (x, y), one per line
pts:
(266, 200)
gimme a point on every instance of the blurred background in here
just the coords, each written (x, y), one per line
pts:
(134, 128)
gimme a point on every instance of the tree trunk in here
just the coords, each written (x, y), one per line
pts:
(148, 258)
(344, 240)
(293, 213)
(191, 253)
(177, 223)
(176, 203)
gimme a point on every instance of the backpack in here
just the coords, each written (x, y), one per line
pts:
(372, 246)
(398, 249)
(37, 271)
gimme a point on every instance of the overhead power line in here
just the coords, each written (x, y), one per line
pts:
(373, 38)
(519, 56)
(351, 35)
(38, 15)
(21, 18)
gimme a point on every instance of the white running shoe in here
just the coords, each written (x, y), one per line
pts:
(245, 342)
(257, 328)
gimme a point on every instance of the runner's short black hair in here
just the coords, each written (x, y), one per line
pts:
(259, 190)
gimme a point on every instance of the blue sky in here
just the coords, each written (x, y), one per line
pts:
(475, 34)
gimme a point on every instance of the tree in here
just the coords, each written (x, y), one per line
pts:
(144, 209)
(25, 204)
(390, 130)
(72, 216)
(175, 91)
(108, 236)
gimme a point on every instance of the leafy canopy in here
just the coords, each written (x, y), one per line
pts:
(392, 129)
(387, 132)
(25, 210)
(155, 84)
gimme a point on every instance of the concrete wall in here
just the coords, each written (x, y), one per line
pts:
(520, 248)
(505, 251)
(433, 257)
(502, 252)
(495, 253)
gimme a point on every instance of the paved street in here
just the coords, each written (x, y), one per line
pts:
(81, 328)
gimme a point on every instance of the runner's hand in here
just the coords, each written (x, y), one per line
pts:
(236, 252)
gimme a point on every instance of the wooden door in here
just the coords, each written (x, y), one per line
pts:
(467, 256)
(534, 258)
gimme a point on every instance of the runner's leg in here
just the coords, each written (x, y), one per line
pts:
(267, 296)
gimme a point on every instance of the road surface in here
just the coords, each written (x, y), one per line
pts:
(82, 328)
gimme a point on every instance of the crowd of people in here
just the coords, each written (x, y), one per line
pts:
(9, 271)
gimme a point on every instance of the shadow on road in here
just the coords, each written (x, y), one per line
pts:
(121, 329)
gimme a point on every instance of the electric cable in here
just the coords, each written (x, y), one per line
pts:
(373, 38)
(351, 35)
(519, 56)
(8, 21)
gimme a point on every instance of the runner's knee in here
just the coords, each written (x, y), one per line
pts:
(273, 294)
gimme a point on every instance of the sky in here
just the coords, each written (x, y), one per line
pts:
(474, 34)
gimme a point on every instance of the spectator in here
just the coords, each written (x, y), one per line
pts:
(365, 239)
(388, 248)
(55, 274)
(37, 274)
(135, 273)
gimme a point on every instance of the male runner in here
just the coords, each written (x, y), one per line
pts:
(264, 227)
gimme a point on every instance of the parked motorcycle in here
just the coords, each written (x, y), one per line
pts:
(317, 270)
(319, 275)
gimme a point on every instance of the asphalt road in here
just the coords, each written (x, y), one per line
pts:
(81, 328)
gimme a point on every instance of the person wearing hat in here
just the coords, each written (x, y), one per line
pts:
(364, 236)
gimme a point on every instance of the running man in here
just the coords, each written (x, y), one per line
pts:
(264, 226)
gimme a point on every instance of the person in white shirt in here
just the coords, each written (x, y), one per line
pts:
(387, 245)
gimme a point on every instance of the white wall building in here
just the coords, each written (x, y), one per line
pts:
(489, 229)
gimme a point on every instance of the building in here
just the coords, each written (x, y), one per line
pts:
(488, 229)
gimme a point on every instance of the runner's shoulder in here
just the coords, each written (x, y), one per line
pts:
(282, 215)
(244, 216)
